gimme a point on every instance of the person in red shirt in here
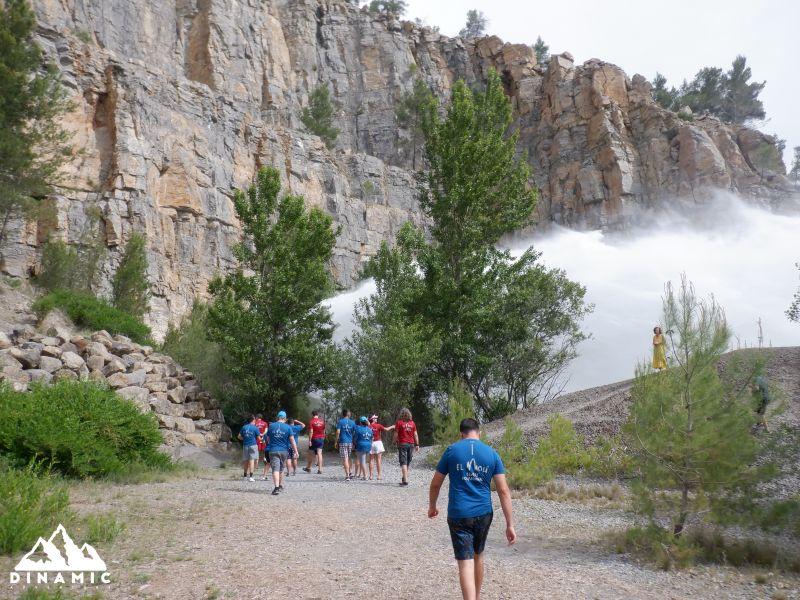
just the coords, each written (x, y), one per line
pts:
(377, 444)
(262, 425)
(405, 433)
(316, 439)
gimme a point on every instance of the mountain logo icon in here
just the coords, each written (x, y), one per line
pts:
(60, 553)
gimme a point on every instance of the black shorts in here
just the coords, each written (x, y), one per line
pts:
(406, 453)
(469, 535)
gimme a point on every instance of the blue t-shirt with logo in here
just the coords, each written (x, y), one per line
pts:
(346, 428)
(279, 435)
(363, 437)
(471, 464)
(249, 434)
(296, 429)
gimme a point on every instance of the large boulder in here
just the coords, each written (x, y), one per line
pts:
(28, 357)
(72, 361)
(50, 364)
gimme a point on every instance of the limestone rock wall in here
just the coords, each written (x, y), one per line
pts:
(176, 103)
(153, 381)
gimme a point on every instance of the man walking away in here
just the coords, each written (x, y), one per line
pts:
(249, 435)
(316, 435)
(279, 441)
(344, 440)
(407, 441)
(297, 427)
(471, 465)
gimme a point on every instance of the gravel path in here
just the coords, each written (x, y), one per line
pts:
(215, 536)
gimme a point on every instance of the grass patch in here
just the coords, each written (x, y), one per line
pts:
(558, 492)
(42, 593)
(87, 311)
(80, 429)
(102, 528)
(704, 545)
(32, 504)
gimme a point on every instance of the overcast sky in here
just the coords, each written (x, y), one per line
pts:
(675, 38)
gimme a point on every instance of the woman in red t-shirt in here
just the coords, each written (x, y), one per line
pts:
(377, 444)
(407, 441)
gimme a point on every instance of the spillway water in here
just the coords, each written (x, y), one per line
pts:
(742, 254)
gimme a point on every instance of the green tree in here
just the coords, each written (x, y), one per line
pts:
(385, 358)
(475, 26)
(705, 93)
(541, 50)
(741, 103)
(410, 110)
(32, 144)
(689, 430)
(267, 316)
(459, 284)
(130, 286)
(768, 156)
(794, 171)
(395, 7)
(318, 115)
(448, 422)
(666, 97)
(74, 266)
(794, 308)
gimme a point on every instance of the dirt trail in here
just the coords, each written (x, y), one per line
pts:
(215, 536)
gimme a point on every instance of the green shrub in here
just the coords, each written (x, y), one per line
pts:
(73, 266)
(448, 425)
(87, 311)
(32, 504)
(189, 345)
(522, 471)
(78, 428)
(318, 115)
(41, 593)
(609, 459)
(102, 528)
(563, 449)
(131, 288)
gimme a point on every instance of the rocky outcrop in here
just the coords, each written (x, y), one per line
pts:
(177, 103)
(186, 414)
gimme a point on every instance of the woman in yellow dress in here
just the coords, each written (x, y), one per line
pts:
(659, 350)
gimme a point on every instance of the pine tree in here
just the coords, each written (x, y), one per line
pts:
(541, 50)
(32, 144)
(794, 308)
(409, 113)
(689, 430)
(130, 286)
(395, 7)
(664, 96)
(476, 25)
(318, 115)
(266, 315)
(740, 102)
(794, 171)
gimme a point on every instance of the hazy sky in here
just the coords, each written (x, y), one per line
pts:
(675, 38)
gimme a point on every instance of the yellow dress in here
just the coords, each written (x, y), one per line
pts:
(659, 352)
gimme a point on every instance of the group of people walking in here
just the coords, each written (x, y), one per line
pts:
(277, 444)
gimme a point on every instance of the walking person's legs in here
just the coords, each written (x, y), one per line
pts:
(378, 459)
(319, 461)
(466, 577)
(371, 460)
(478, 574)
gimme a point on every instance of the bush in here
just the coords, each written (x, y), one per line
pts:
(609, 459)
(130, 285)
(73, 267)
(32, 504)
(189, 345)
(448, 425)
(90, 312)
(78, 428)
(318, 115)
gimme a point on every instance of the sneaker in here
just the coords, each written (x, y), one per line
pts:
(319, 472)
(347, 478)
(306, 469)
(264, 478)
(276, 491)
(403, 483)
(250, 478)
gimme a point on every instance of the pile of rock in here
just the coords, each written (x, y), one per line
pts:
(153, 381)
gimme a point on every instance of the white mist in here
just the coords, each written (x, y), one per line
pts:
(742, 254)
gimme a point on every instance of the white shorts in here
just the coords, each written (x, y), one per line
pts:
(377, 448)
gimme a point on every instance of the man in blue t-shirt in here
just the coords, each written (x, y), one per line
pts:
(280, 440)
(344, 440)
(249, 434)
(471, 465)
(297, 427)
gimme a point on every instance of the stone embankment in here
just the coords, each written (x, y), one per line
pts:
(153, 381)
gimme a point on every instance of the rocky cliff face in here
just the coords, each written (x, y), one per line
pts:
(176, 103)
